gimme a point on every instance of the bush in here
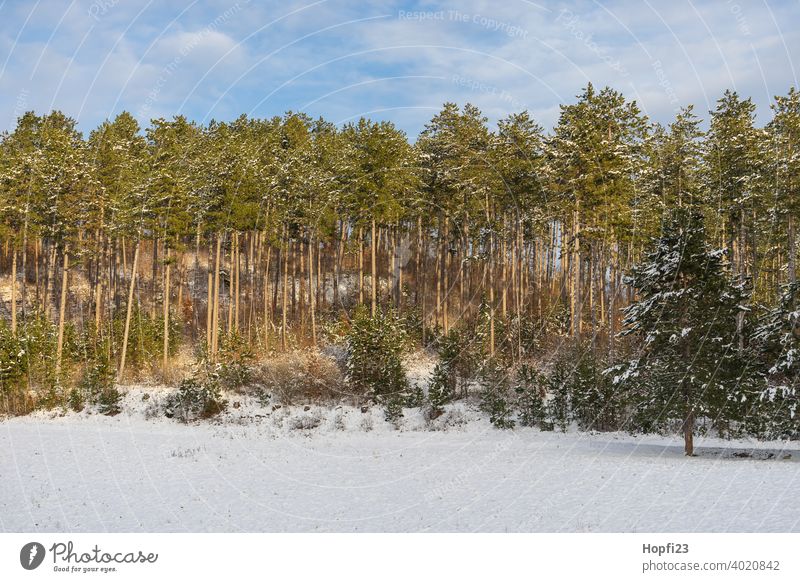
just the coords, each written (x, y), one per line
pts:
(13, 360)
(440, 388)
(461, 353)
(558, 406)
(530, 390)
(299, 377)
(108, 401)
(194, 399)
(597, 404)
(495, 395)
(237, 358)
(375, 346)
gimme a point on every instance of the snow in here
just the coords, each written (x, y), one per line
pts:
(340, 469)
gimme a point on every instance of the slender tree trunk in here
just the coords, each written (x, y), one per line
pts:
(62, 312)
(285, 292)
(14, 291)
(311, 300)
(215, 300)
(439, 261)
(154, 280)
(237, 291)
(231, 285)
(129, 308)
(791, 250)
(491, 295)
(99, 282)
(360, 266)
(446, 277)
(167, 267)
(24, 296)
(267, 310)
(337, 264)
(577, 300)
(374, 265)
(209, 299)
(51, 276)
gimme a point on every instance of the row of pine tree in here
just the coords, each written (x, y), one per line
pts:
(653, 247)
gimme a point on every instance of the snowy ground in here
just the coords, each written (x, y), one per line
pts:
(261, 470)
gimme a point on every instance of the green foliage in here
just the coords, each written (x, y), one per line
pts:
(495, 395)
(597, 404)
(236, 367)
(693, 357)
(415, 398)
(440, 388)
(98, 384)
(197, 397)
(374, 366)
(146, 338)
(559, 405)
(13, 359)
(530, 388)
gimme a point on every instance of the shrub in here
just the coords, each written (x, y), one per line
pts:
(558, 406)
(108, 401)
(13, 360)
(440, 388)
(530, 390)
(375, 346)
(295, 377)
(596, 402)
(195, 398)
(495, 395)
(237, 359)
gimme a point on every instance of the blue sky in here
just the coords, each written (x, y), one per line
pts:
(215, 59)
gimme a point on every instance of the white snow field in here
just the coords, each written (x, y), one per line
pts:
(257, 469)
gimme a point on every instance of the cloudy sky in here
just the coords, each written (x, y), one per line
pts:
(215, 59)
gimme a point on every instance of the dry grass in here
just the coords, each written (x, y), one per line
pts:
(303, 376)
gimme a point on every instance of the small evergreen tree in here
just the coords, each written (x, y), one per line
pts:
(530, 390)
(375, 345)
(686, 316)
(495, 394)
(558, 407)
(440, 389)
(777, 342)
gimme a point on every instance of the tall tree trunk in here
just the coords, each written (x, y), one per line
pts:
(62, 312)
(167, 267)
(446, 277)
(129, 308)
(24, 296)
(311, 290)
(791, 250)
(374, 265)
(491, 295)
(360, 266)
(215, 301)
(50, 282)
(577, 299)
(209, 298)
(154, 279)
(285, 291)
(231, 284)
(267, 310)
(14, 291)
(237, 290)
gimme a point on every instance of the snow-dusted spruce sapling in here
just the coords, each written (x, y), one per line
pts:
(375, 345)
(530, 389)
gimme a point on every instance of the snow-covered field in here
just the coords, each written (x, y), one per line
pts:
(259, 469)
